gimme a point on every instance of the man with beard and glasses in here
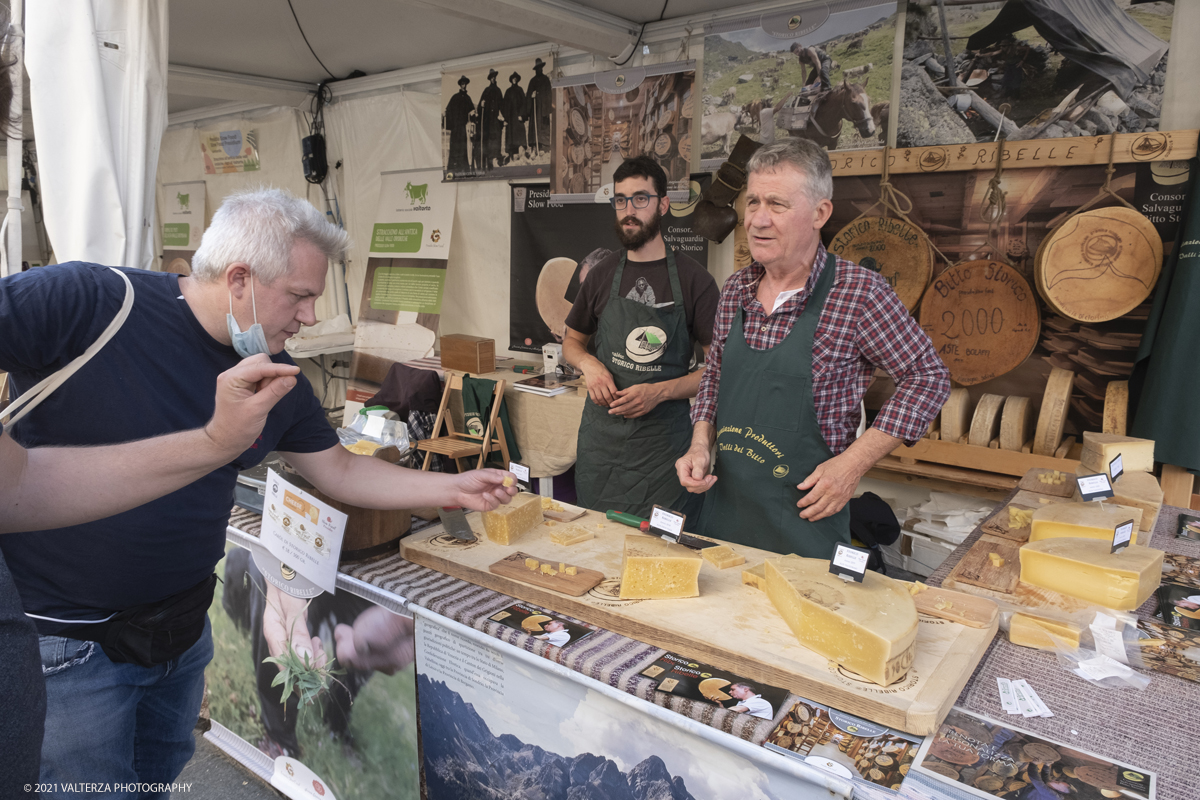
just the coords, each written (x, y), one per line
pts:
(648, 307)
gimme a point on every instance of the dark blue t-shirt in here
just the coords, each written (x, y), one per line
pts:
(158, 375)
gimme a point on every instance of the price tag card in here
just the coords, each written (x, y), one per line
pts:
(301, 531)
(1116, 468)
(1094, 487)
(1122, 535)
(522, 473)
(666, 523)
(849, 562)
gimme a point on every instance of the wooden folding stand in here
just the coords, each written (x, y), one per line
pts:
(460, 445)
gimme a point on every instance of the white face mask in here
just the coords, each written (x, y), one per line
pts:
(253, 341)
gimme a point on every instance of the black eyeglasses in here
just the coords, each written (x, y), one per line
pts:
(639, 201)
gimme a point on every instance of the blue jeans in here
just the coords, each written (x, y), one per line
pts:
(123, 725)
(22, 693)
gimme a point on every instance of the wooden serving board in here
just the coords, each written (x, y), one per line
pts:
(896, 249)
(1031, 483)
(730, 625)
(965, 609)
(997, 524)
(1039, 500)
(513, 566)
(976, 567)
(568, 514)
(1021, 594)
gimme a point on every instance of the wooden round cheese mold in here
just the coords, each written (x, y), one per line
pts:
(895, 249)
(983, 319)
(1053, 415)
(1101, 264)
(1040, 753)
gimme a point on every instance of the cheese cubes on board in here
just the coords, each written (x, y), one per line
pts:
(654, 569)
(1080, 520)
(1085, 568)
(506, 524)
(1099, 449)
(869, 627)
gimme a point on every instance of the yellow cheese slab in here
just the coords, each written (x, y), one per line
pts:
(722, 556)
(654, 569)
(1084, 568)
(1080, 520)
(506, 524)
(572, 534)
(756, 577)
(869, 628)
(1137, 455)
(1040, 633)
(1136, 490)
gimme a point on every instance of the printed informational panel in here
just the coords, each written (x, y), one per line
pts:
(233, 150)
(182, 224)
(823, 69)
(496, 120)
(406, 276)
(1062, 68)
(553, 247)
(604, 118)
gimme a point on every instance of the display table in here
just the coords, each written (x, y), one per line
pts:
(1153, 729)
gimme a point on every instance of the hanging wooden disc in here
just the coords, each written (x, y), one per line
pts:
(685, 146)
(985, 423)
(983, 319)
(1101, 264)
(896, 249)
(550, 292)
(1053, 415)
(1116, 406)
(1016, 423)
(663, 144)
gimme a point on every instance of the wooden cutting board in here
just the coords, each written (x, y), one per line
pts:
(568, 514)
(965, 609)
(983, 319)
(1022, 594)
(1031, 483)
(730, 625)
(976, 567)
(897, 250)
(1100, 264)
(997, 524)
(514, 566)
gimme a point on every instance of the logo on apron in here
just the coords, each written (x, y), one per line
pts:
(645, 344)
(475, 426)
(780, 471)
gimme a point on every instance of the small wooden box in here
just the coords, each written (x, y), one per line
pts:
(464, 353)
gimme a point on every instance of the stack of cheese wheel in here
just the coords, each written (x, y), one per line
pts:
(895, 248)
(1099, 265)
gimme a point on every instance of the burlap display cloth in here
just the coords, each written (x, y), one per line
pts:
(1153, 729)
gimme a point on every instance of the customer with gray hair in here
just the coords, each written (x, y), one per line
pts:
(121, 604)
(798, 336)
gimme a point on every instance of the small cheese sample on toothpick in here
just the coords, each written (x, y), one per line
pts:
(869, 628)
(722, 556)
(1080, 520)
(1039, 632)
(655, 569)
(1087, 569)
(506, 524)
(1136, 490)
(1099, 449)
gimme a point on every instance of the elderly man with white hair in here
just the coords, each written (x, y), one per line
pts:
(798, 336)
(121, 603)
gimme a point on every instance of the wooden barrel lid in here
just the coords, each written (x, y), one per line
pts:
(1116, 406)
(1053, 415)
(895, 249)
(985, 423)
(1016, 424)
(983, 319)
(579, 154)
(685, 146)
(663, 144)
(1101, 264)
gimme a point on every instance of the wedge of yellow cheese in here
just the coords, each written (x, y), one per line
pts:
(756, 577)
(655, 569)
(506, 524)
(1099, 449)
(1136, 490)
(722, 556)
(1085, 568)
(1081, 520)
(869, 628)
(572, 534)
(1040, 633)
(710, 689)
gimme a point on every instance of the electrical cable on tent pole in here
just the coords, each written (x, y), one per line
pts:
(305, 38)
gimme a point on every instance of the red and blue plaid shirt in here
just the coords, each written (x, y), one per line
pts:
(862, 326)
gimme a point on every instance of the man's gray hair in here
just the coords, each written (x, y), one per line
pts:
(260, 227)
(807, 156)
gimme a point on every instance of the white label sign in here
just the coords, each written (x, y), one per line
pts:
(302, 531)
(1116, 468)
(1094, 487)
(663, 520)
(520, 470)
(849, 562)
(1122, 534)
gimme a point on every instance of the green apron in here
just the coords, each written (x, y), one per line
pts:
(629, 464)
(768, 441)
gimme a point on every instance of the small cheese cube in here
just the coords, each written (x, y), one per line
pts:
(571, 570)
(506, 524)
(1099, 449)
(508, 481)
(653, 569)
(548, 504)
(997, 559)
(1087, 569)
(572, 534)
(1080, 520)
(722, 556)
(1039, 633)
(532, 563)
(560, 566)
(545, 569)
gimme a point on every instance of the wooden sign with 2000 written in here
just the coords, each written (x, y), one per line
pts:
(983, 319)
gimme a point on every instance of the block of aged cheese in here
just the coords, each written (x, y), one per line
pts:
(1037, 632)
(1137, 455)
(1080, 520)
(722, 556)
(1136, 490)
(506, 524)
(654, 569)
(572, 534)
(869, 628)
(755, 576)
(1085, 568)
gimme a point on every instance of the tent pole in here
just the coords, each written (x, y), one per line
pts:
(15, 140)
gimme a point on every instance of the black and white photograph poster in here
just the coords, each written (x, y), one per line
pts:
(496, 120)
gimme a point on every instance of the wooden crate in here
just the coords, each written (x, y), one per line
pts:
(473, 354)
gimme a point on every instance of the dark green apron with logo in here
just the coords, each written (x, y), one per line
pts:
(768, 440)
(629, 464)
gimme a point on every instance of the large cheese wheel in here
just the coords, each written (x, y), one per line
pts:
(1015, 424)
(1100, 264)
(956, 415)
(985, 423)
(983, 319)
(1116, 406)
(896, 249)
(1053, 415)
